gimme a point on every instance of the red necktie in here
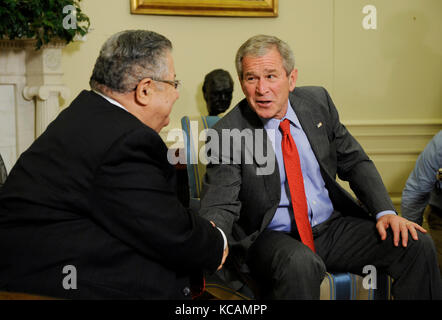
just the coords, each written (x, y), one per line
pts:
(296, 185)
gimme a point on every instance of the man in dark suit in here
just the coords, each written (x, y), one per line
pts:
(90, 209)
(289, 244)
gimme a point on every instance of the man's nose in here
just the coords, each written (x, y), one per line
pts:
(261, 86)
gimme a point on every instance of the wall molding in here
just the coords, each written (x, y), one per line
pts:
(394, 146)
(394, 137)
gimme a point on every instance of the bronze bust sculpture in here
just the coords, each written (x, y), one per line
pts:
(217, 91)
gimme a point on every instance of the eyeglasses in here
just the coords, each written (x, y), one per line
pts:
(175, 83)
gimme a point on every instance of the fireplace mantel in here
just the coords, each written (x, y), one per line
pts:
(30, 87)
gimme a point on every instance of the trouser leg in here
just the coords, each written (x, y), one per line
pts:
(435, 226)
(351, 243)
(286, 268)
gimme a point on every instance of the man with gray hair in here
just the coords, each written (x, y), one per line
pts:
(286, 228)
(90, 210)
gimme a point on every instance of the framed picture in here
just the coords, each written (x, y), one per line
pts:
(231, 8)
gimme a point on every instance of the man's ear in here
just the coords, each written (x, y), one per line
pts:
(144, 91)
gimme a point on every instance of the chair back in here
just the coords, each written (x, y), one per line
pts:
(194, 143)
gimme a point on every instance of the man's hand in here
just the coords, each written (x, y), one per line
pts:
(400, 227)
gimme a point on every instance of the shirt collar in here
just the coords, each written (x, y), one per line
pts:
(116, 103)
(274, 123)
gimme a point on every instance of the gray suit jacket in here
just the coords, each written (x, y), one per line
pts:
(242, 203)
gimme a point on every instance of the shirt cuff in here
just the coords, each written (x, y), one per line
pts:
(383, 213)
(224, 237)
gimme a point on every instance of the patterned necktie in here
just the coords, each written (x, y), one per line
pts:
(296, 185)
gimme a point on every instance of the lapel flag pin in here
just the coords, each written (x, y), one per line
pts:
(319, 125)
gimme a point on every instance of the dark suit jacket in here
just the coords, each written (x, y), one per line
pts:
(3, 173)
(242, 203)
(96, 191)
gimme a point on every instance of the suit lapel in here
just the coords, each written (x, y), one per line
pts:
(272, 179)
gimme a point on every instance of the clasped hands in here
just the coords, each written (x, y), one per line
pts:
(400, 228)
